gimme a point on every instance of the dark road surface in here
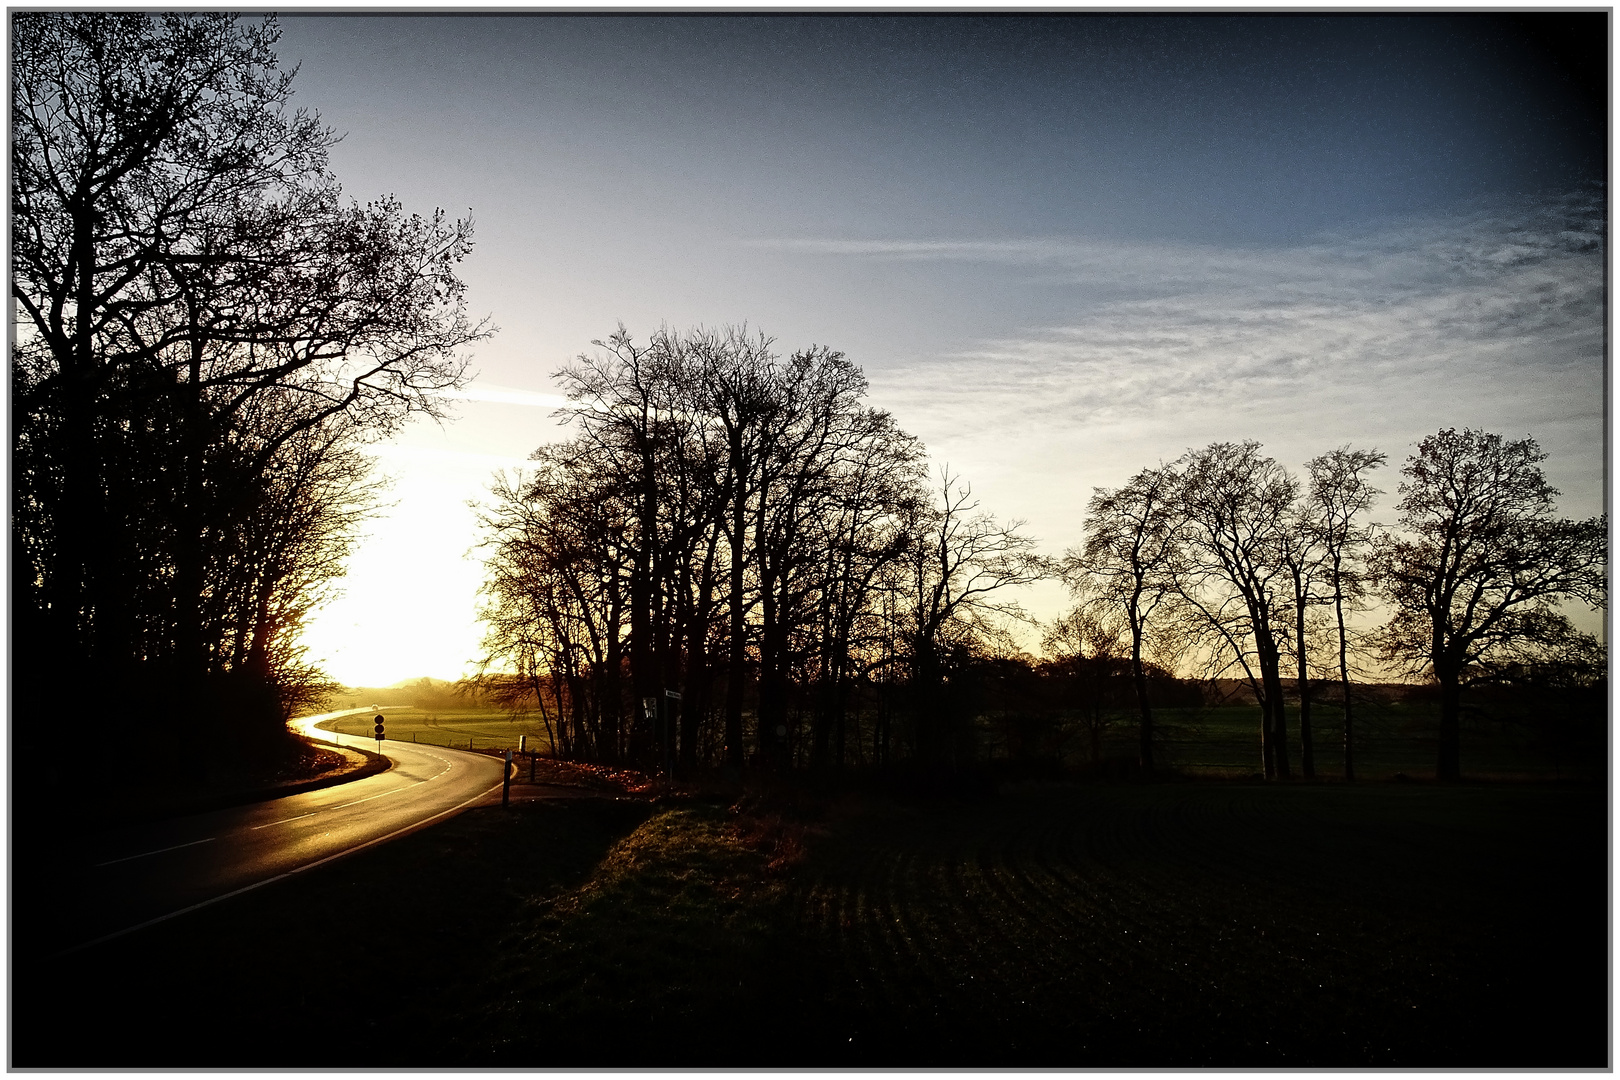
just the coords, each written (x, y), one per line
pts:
(136, 875)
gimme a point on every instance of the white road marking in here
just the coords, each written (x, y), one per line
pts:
(159, 851)
(284, 820)
(267, 881)
(368, 798)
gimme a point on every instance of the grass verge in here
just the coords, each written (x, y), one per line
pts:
(673, 931)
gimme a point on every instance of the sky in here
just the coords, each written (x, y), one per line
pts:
(1062, 248)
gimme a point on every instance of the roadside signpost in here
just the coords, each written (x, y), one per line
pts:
(661, 714)
(672, 708)
(379, 722)
(506, 780)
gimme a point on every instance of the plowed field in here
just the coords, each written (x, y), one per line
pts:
(1216, 925)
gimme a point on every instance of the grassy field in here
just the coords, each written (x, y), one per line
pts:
(1218, 742)
(1390, 738)
(466, 729)
(1175, 924)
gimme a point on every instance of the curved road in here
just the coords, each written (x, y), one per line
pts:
(139, 875)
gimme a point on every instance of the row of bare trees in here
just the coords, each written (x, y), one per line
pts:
(733, 543)
(1226, 562)
(206, 333)
(738, 528)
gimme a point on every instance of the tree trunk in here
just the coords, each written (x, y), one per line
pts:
(695, 692)
(734, 669)
(644, 675)
(1268, 745)
(1271, 676)
(1307, 759)
(840, 711)
(191, 664)
(79, 512)
(772, 704)
(1344, 682)
(922, 702)
(1449, 767)
(545, 714)
(1139, 677)
(610, 702)
(1268, 725)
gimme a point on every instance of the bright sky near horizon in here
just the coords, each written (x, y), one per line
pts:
(1062, 248)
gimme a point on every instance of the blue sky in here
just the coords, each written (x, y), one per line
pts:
(1062, 248)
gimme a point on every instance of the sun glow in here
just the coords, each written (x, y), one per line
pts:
(408, 603)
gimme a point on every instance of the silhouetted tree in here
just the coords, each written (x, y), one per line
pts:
(732, 377)
(555, 587)
(1086, 654)
(195, 298)
(1479, 567)
(1339, 494)
(1129, 564)
(877, 476)
(1301, 550)
(955, 575)
(1236, 502)
(710, 452)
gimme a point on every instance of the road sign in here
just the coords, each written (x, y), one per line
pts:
(676, 694)
(379, 727)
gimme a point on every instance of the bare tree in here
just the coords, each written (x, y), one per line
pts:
(1339, 494)
(960, 564)
(1300, 548)
(561, 550)
(1086, 649)
(876, 477)
(1480, 566)
(692, 452)
(634, 425)
(1129, 564)
(194, 297)
(1235, 502)
(733, 378)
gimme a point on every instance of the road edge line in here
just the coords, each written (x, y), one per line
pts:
(103, 939)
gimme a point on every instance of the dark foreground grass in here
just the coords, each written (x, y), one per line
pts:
(1170, 925)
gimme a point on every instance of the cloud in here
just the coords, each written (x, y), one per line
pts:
(1492, 318)
(506, 395)
(1407, 253)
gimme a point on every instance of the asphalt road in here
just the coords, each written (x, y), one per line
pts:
(138, 875)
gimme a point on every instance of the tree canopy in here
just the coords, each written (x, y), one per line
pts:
(208, 331)
(1480, 566)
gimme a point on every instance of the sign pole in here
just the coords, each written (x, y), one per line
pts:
(672, 710)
